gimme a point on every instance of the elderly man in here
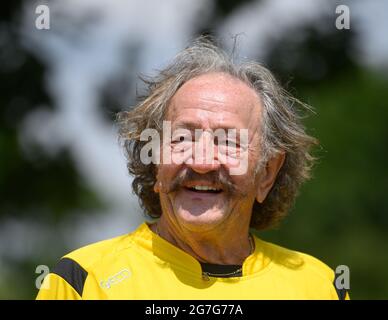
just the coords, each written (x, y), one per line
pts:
(215, 149)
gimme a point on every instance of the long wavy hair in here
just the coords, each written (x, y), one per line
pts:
(282, 129)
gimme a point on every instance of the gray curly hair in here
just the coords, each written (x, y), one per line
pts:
(282, 130)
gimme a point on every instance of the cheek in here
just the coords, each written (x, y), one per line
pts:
(243, 182)
(247, 180)
(165, 174)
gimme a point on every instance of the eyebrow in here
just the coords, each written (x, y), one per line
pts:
(192, 125)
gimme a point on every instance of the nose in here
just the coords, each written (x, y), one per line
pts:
(203, 168)
(204, 156)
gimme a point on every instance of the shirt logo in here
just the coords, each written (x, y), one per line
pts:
(115, 279)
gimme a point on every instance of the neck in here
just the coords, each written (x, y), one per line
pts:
(216, 247)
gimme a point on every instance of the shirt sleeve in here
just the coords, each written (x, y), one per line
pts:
(66, 281)
(55, 287)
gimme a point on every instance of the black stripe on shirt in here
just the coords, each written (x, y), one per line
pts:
(72, 272)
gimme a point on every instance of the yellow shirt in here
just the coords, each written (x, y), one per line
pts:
(142, 265)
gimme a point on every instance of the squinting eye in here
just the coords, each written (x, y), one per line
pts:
(179, 139)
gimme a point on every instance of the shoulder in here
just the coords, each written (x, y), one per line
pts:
(94, 253)
(301, 272)
(103, 254)
(296, 261)
(73, 269)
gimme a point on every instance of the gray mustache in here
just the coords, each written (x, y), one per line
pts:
(215, 177)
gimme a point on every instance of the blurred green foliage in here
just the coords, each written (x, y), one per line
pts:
(341, 215)
(42, 188)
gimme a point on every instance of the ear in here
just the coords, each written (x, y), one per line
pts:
(157, 186)
(268, 175)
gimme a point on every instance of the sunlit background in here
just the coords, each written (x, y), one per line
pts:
(63, 178)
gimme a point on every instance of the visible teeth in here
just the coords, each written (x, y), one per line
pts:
(205, 188)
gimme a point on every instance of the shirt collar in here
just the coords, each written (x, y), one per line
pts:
(166, 253)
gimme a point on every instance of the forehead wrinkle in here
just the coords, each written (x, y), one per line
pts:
(204, 110)
(217, 98)
(203, 119)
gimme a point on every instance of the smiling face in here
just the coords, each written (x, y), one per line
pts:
(199, 195)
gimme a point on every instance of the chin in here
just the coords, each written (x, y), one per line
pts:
(203, 221)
